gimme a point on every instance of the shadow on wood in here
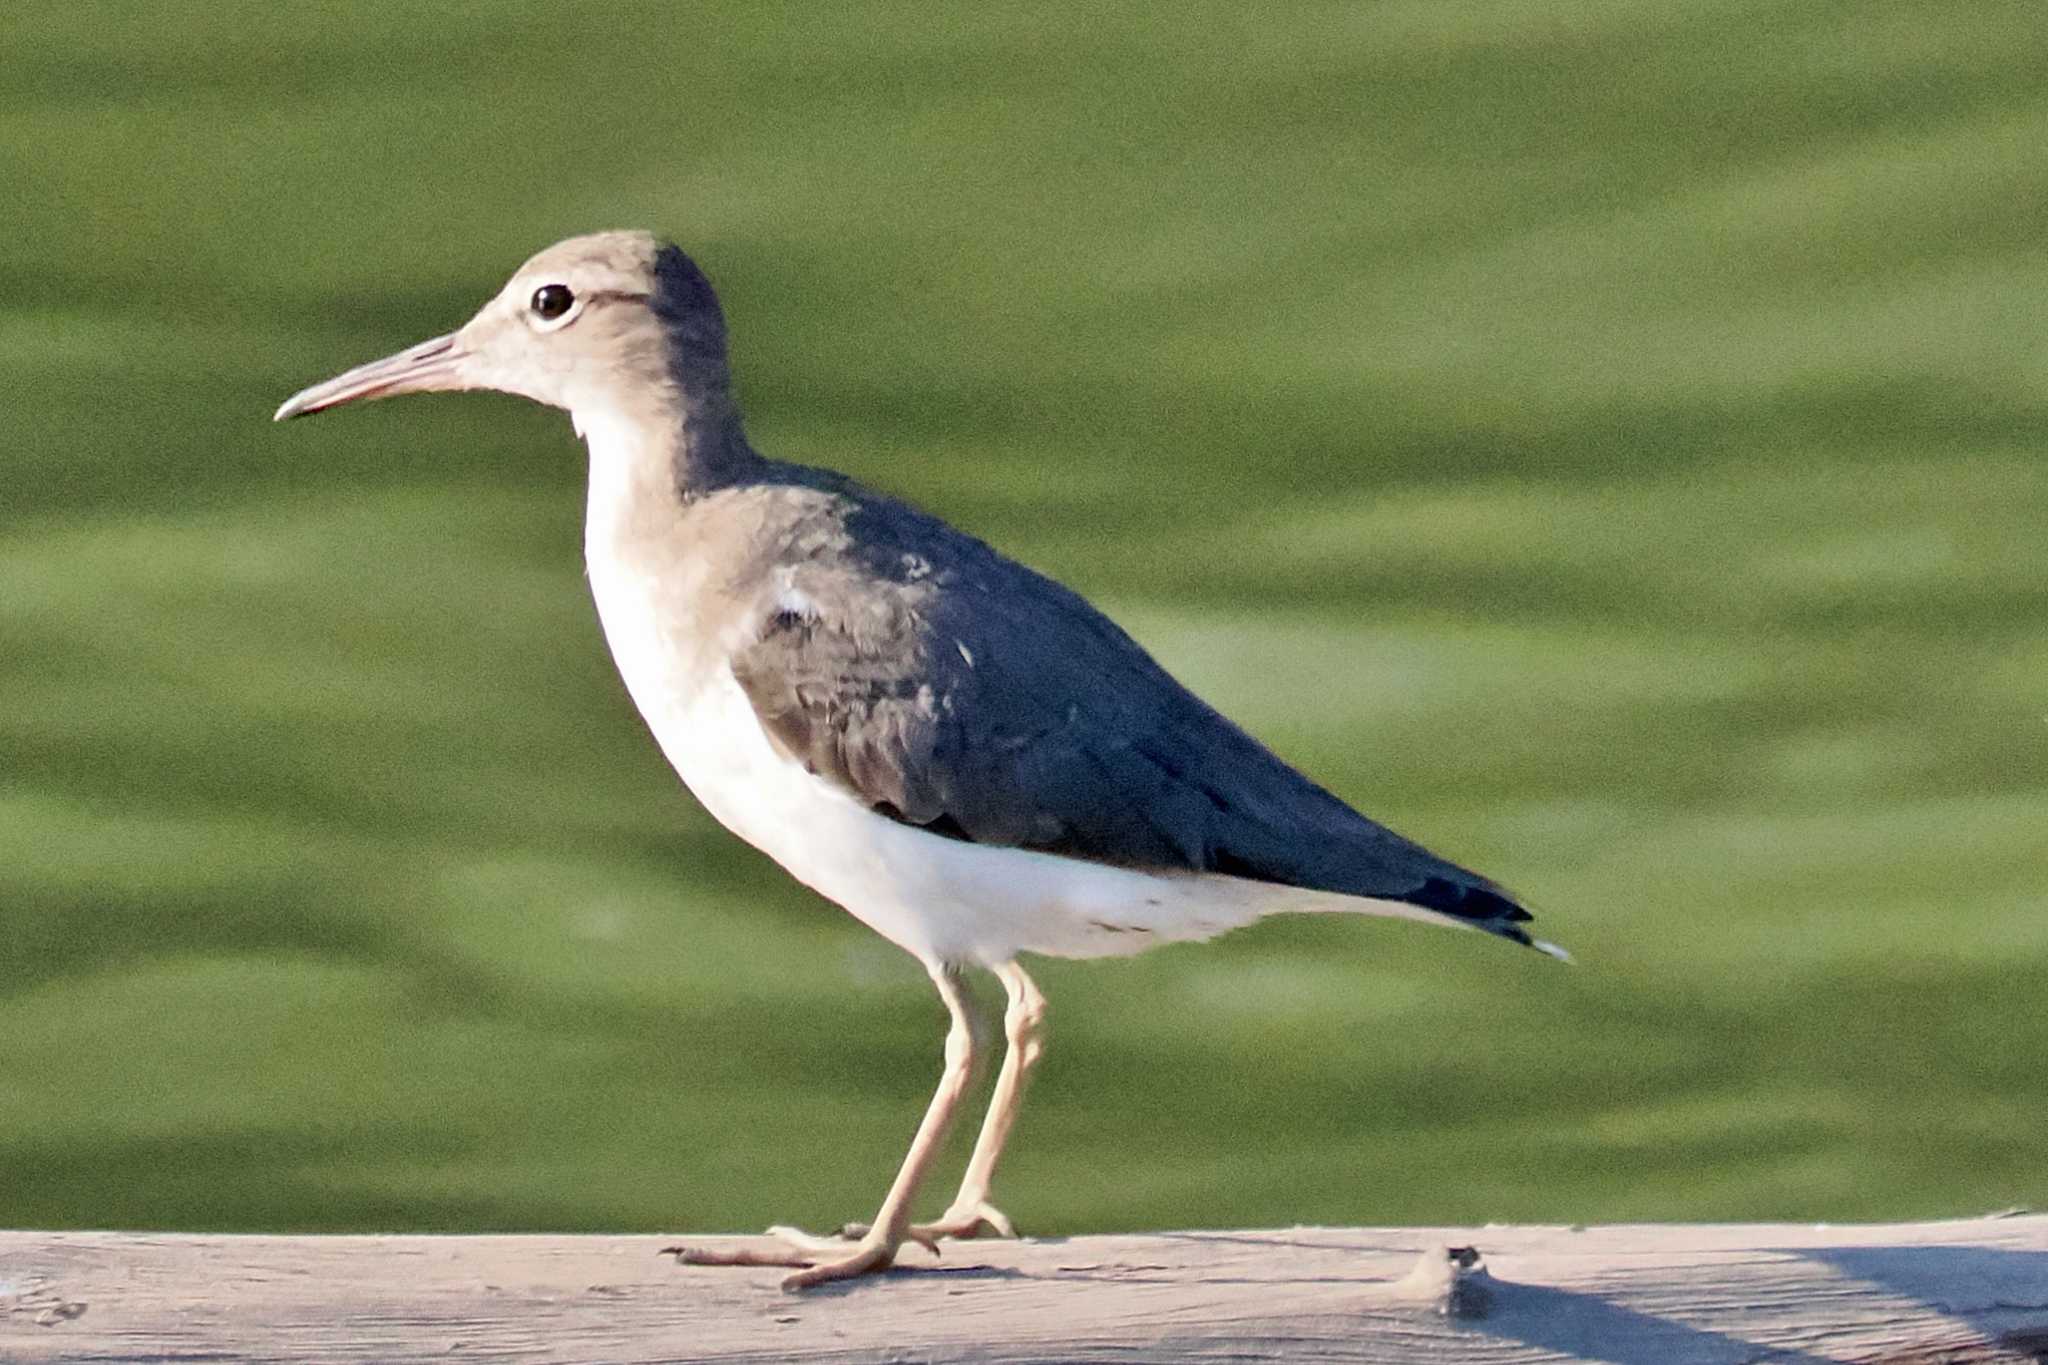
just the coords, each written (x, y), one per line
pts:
(1952, 1293)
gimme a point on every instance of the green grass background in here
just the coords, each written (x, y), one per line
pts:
(1603, 438)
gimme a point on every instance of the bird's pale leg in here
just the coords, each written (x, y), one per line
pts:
(1024, 1026)
(1024, 1029)
(877, 1249)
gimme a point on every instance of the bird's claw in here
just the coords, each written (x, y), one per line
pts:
(987, 1215)
(856, 1232)
(871, 1257)
(962, 1224)
(809, 1256)
(810, 1241)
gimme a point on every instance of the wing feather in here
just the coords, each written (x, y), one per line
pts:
(951, 688)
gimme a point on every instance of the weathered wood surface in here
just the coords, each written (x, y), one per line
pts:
(1789, 1294)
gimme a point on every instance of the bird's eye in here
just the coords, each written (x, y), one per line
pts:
(552, 301)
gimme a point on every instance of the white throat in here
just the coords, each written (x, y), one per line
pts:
(632, 492)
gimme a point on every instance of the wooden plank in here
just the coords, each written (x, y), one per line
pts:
(1912, 1294)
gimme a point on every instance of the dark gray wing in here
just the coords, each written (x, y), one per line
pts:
(952, 688)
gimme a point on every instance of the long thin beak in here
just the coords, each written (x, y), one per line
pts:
(425, 368)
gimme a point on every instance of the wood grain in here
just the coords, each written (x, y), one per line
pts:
(1912, 1294)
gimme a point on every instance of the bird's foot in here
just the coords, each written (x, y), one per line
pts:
(870, 1254)
(979, 1219)
(817, 1260)
(812, 1243)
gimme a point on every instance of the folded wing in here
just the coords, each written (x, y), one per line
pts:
(953, 689)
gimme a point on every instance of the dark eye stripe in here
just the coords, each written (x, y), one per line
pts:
(553, 301)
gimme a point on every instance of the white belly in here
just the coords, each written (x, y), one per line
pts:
(942, 899)
(672, 631)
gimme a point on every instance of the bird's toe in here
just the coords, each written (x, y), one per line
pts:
(872, 1256)
(689, 1255)
(832, 1243)
(980, 1219)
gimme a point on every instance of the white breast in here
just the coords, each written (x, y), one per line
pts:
(673, 626)
(941, 899)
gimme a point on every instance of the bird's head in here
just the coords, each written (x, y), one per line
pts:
(611, 322)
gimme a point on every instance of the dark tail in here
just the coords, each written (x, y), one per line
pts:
(1481, 907)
